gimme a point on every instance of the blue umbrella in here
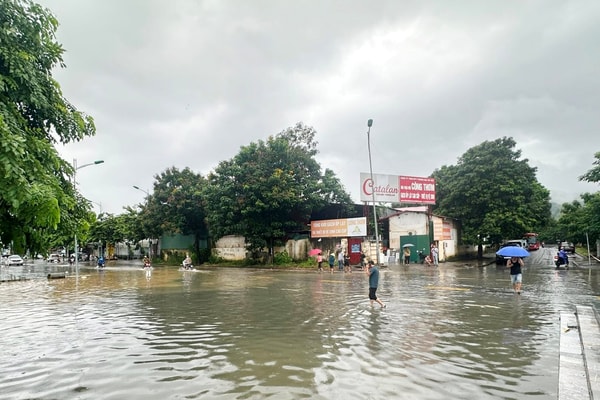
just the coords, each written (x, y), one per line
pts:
(512, 251)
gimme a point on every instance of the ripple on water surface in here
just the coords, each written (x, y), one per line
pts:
(238, 334)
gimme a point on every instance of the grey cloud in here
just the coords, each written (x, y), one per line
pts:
(186, 83)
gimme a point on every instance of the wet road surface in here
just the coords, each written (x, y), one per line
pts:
(452, 332)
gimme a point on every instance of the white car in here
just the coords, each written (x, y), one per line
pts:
(14, 260)
(53, 258)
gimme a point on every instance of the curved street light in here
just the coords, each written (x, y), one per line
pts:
(142, 190)
(75, 168)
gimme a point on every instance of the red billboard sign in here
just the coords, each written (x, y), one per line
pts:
(414, 189)
(394, 188)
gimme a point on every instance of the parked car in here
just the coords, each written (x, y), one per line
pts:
(518, 242)
(53, 258)
(14, 260)
(500, 260)
(568, 247)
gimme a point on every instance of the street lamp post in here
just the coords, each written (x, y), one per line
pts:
(140, 189)
(149, 240)
(369, 124)
(75, 168)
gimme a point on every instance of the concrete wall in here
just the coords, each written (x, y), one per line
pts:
(409, 224)
(231, 248)
(405, 224)
(297, 249)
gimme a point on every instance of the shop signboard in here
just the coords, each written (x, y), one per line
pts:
(343, 227)
(397, 189)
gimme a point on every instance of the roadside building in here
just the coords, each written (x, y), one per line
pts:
(417, 228)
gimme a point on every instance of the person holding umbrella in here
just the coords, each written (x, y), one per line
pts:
(320, 262)
(515, 263)
(516, 273)
(407, 254)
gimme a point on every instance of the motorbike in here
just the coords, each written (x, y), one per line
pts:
(424, 258)
(561, 261)
(101, 262)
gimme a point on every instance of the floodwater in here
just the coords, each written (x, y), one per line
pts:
(452, 332)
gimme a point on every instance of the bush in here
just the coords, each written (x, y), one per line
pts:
(213, 259)
(282, 258)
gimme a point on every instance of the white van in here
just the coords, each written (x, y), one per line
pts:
(519, 242)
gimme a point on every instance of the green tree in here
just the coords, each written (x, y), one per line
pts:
(591, 218)
(593, 175)
(270, 188)
(570, 222)
(36, 194)
(111, 229)
(177, 206)
(580, 218)
(493, 193)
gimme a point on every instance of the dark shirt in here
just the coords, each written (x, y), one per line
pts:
(373, 277)
(515, 268)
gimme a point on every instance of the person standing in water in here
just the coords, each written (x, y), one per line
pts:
(516, 272)
(435, 253)
(331, 262)
(320, 262)
(406, 255)
(373, 273)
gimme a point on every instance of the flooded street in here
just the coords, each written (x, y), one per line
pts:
(452, 332)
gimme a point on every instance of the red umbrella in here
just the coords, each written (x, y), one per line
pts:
(314, 252)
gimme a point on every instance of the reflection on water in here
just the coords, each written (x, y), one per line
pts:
(448, 333)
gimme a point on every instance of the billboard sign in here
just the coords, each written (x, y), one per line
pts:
(417, 190)
(397, 189)
(386, 187)
(348, 227)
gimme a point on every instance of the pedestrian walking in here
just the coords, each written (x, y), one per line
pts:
(347, 267)
(331, 262)
(373, 273)
(320, 262)
(435, 254)
(341, 260)
(516, 273)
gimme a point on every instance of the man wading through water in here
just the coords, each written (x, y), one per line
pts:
(373, 274)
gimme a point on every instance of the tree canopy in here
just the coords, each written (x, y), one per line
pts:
(176, 205)
(270, 188)
(493, 193)
(593, 175)
(36, 193)
(580, 220)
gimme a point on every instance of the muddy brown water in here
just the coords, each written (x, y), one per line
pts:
(452, 332)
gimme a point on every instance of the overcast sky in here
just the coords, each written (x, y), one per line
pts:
(186, 83)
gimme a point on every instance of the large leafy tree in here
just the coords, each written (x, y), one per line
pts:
(177, 206)
(36, 195)
(111, 229)
(493, 192)
(579, 219)
(270, 188)
(593, 175)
